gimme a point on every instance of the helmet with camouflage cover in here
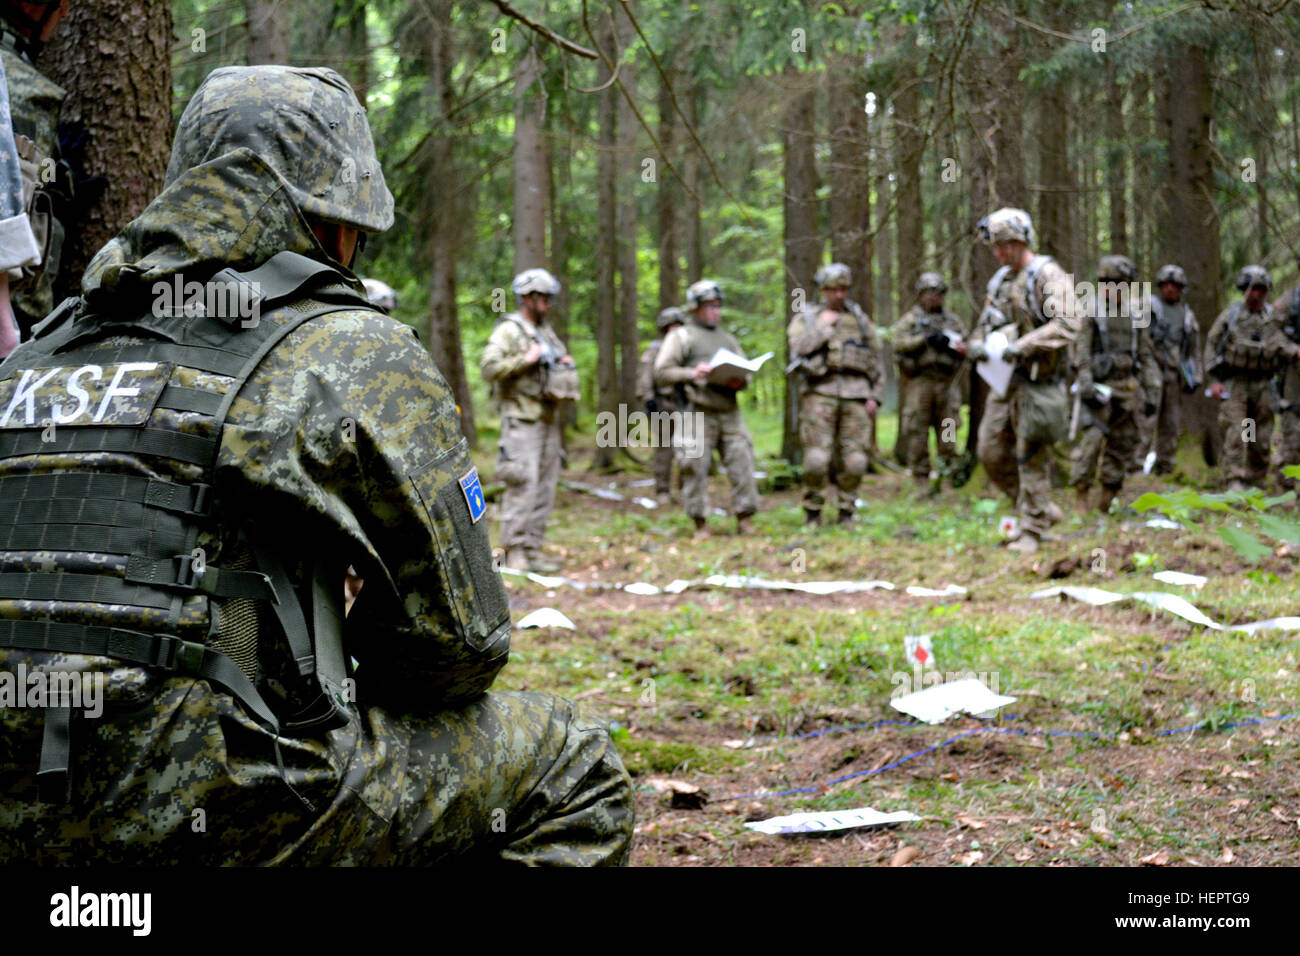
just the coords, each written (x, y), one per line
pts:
(1171, 273)
(1005, 225)
(706, 290)
(1253, 275)
(669, 317)
(306, 124)
(834, 276)
(930, 282)
(1116, 269)
(535, 280)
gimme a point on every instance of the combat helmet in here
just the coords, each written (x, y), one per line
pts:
(670, 316)
(834, 276)
(535, 280)
(1007, 224)
(706, 290)
(1251, 275)
(306, 124)
(1171, 273)
(1116, 269)
(930, 281)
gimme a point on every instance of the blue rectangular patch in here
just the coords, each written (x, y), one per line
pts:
(473, 493)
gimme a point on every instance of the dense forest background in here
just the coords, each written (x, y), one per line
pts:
(633, 147)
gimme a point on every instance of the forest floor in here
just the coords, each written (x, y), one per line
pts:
(1174, 753)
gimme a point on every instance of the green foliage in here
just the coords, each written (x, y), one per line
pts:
(1240, 507)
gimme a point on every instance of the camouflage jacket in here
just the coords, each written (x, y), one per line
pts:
(519, 385)
(915, 355)
(686, 347)
(1045, 318)
(646, 389)
(1285, 307)
(840, 360)
(1244, 344)
(344, 444)
(1117, 350)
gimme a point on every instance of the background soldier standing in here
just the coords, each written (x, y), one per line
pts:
(658, 399)
(1030, 296)
(1176, 341)
(837, 346)
(284, 450)
(1244, 350)
(532, 375)
(1113, 350)
(1288, 307)
(928, 362)
(684, 359)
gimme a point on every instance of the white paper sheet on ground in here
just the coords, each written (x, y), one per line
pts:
(994, 370)
(1180, 578)
(606, 494)
(642, 483)
(677, 586)
(810, 587)
(1272, 624)
(545, 617)
(647, 503)
(550, 581)
(919, 649)
(1094, 596)
(1164, 523)
(640, 587)
(951, 589)
(728, 365)
(1148, 463)
(830, 820)
(936, 704)
(1176, 605)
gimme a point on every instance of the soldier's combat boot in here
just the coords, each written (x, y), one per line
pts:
(701, 530)
(1027, 543)
(845, 516)
(812, 518)
(1104, 498)
(516, 560)
(743, 525)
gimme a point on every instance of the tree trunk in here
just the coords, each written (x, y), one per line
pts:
(1143, 186)
(693, 224)
(1117, 149)
(607, 381)
(114, 60)
(667, 198)
(359, 50)
(908, 144)
(1191, 230)
(443, 214)
(802, 242)
(530, 164)
(1057, 196)
(850, 182)
(629, 176)
(268, 31)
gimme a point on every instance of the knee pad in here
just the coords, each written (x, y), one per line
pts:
(815, 463)
(856, 464)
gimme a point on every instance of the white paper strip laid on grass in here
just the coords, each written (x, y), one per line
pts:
(1094, 596)
(949, 590)
(1176, 605)
(1272, 624)
(640, 587)
(1180, 579)
(1164, 523)
(545, 617)
(936, 704)
(1171, 603)
(809, 587)
(647, 503)
(830, 820)
(642, 483)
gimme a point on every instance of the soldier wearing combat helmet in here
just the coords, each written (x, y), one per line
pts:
(662, 402)
(928, 342)
(1176, 340)
(1116, 375)
(1246, 347)
(1031, 300)
(1288, 307)
(837, 347)
(213, 469)
(684, 360)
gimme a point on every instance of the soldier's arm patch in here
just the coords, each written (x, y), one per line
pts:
(473, 492)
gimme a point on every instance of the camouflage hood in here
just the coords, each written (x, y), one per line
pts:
(257, 151)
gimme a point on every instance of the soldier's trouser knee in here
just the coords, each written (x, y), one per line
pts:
(512, 777)
(1168, 420)
(817, 414)
(737, 450)
(1246, 418)
(1114, 447)
(1035, 464)
(996, 445)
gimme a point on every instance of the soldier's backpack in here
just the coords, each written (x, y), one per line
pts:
(37, 172)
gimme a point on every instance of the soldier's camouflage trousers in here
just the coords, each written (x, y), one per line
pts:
(838, 430)
(928, 402)
(725, 432)
(1162, 430)
(664, 453)
(189, 779)
(1289, 446)
(1108, 433)
(1020, 468)
(529, 464)
(1246, 418)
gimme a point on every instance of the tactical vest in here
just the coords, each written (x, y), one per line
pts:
(701, 345)
(107, 470)
(547, 380)
(839, 356)
(1115, 359)
(1031, 302)
(1293, 316)
(1242, 356)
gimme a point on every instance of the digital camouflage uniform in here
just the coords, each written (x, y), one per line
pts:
(842, 370)
(532, 429)
(1115, 351)
(1288, 307)
(930, 393)
(1244, 350)
(1175, 338)
(719, 419)
(342, 447)
(34, 103)
(1043, 333)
